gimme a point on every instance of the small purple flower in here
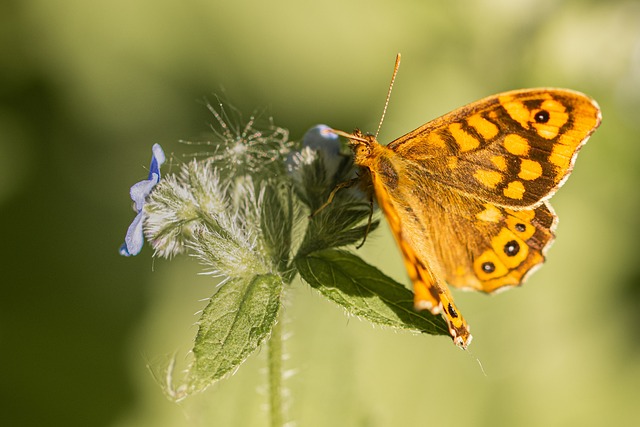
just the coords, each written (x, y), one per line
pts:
(139, 191)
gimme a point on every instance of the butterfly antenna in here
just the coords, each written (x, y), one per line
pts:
(393, 79)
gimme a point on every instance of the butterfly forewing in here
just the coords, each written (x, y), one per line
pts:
(430, 291)
(514, 149)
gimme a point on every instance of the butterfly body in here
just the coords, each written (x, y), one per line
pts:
(466, 194)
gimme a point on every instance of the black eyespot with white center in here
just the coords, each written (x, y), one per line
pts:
(542, 116)
(521, 227)
(488, 267)
(511, 248)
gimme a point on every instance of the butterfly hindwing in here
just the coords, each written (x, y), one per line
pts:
(500, 246)
(471, 243)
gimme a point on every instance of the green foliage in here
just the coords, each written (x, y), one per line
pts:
(276, 223)
(238, 318)
(364, 291)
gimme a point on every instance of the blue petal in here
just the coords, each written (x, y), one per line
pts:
(134, 239)
(157, 160)
(140, 190)
(320, 138)
(123, 250)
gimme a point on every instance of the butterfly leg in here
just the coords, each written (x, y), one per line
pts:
(366, 232)
(340, 186)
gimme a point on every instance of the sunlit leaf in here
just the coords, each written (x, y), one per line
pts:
(366, 292)
(236, 321)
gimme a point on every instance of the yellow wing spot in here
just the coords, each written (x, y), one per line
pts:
(452, 162)
(423, 299)
(488, 178)
(514, 190)
(499, 162)
(465, 141)
(490, 214)
(516, 145)
(516, 110)
(546, 131)
(484, 127)
(509, 248)
(488, 266)
(558, 117)
(520, 223)
(529, 169)
(526, 215)
(434, 139)
(561, 154)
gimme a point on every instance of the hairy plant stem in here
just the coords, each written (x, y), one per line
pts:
(275, 375)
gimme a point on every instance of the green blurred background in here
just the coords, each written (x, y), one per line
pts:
(87, 87)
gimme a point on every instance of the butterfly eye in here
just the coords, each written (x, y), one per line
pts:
(542, 116)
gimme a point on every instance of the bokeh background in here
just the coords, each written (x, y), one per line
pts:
(86, 87)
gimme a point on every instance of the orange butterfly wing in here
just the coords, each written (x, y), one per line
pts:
(429, 291)
(513, 149)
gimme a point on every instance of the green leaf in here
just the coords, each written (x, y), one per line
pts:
(236, 321)
(276, 223)
(337, 223)
(366, 292)
(336, 226)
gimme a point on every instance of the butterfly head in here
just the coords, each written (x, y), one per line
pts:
(362, 145)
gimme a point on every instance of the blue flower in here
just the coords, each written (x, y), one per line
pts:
(318, 141)
(139, 191)
(323, 141)
(321, 138)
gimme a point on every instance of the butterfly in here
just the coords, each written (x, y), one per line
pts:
(466, 195)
